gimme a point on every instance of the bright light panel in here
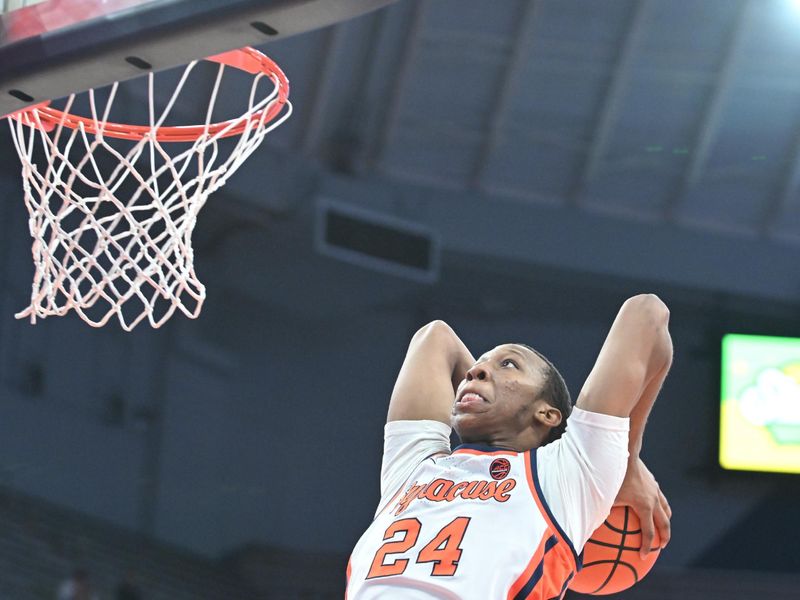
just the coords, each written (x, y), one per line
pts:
(760, 395)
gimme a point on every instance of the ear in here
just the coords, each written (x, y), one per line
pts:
(547, 415)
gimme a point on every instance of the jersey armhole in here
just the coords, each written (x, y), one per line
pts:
(536, 490)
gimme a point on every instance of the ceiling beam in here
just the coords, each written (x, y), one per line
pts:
(467, 223)
(325, 78)
(712, 113)
(787, 192)
(403, 70)
(786, 195)
(388, 40)
(612, 102)
(520, 52)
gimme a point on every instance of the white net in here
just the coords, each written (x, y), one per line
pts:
(112, 228)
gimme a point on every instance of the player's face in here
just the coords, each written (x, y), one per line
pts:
(495, 403)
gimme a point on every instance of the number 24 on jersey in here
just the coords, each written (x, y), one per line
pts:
(444, 550)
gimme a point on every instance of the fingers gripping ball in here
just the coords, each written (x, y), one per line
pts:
(611, 560)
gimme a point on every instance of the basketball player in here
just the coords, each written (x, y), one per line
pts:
(507, 513)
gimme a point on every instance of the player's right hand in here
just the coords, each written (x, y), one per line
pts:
(641, 491)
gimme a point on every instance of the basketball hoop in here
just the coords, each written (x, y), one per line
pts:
(119, 243)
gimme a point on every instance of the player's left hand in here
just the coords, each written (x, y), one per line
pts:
(641, 492)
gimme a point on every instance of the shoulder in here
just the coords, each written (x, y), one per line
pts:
(589, 437)
(415, 428)
(406, 444)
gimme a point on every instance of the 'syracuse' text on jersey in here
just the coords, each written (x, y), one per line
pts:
(455, 501)
(471, 524)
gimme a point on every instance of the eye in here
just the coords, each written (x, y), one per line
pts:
(508, 361)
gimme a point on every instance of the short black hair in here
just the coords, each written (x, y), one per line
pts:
(555, 392)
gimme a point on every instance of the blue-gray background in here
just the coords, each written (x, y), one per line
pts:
(566, 154)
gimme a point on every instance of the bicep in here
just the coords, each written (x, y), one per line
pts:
(424, 388)
(635, 351)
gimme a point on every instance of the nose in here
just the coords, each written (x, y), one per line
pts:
(477, 371)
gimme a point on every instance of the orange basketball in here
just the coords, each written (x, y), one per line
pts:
(611, 561)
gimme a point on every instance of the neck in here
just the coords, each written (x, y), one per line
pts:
(521, 442)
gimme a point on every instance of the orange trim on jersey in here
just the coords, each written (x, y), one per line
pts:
(556, 570)
(551, 524)
(347, 576)
(528, 572)
(479, 453)
(547, 571)
(552, 563)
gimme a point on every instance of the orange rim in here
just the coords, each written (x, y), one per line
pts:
(246, 59)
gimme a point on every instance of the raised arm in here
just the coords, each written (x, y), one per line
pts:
(636, 354)
(435, 363)
(625, 381)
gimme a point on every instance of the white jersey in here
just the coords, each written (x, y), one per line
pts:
(474, 523)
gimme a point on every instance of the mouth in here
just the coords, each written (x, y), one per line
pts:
(470, 399)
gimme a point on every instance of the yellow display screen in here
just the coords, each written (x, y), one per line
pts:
(760, 412)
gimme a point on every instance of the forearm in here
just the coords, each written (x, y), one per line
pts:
(435, 363)
(637, 349)
(640, 489)
(625, 382)
(641, 411)
(462, 360)
(443, 340)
